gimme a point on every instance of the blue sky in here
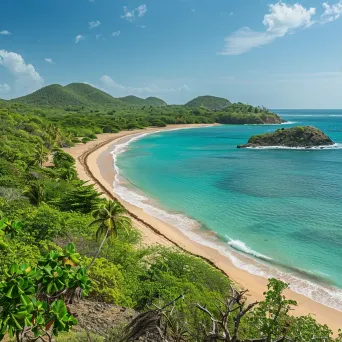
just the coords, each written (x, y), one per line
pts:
(277, 54)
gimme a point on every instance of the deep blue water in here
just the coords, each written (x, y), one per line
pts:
(282, 207)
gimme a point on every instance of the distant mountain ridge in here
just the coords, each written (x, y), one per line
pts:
(82, 94)
(209, 102)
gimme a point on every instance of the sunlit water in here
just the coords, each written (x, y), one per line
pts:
(283, 208)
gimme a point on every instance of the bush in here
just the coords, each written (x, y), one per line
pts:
(85, 140)
(110, 129)
(92, 136)
(108, 283)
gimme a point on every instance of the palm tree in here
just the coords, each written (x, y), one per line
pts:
(36, 193)
(40, 154)
(110, 219)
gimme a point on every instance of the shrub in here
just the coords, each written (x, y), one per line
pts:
(85, 140)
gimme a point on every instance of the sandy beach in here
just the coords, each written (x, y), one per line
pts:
(94, 163)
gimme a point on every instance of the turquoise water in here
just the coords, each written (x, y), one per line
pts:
(283, 208)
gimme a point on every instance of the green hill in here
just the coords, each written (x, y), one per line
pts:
(52, 95)
(92, 95)
(138, 101)
(74, 94)
(133, 100)
(155, 102)
(210, 102)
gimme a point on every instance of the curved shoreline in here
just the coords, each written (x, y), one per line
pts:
(95, 162)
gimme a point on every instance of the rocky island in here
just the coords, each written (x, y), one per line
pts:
(300, 136)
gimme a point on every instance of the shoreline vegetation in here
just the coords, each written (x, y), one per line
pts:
(62, 239)
(96, 163)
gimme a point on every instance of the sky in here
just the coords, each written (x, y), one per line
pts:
(284, 54)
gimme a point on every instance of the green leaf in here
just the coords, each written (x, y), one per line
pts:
(16, 323)
(9, 292)
(21, 315)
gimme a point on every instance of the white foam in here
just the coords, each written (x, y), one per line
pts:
(242, 247)
(301, 116)
(322, 147)
(327, 295)
(269, 124)
(289, 123)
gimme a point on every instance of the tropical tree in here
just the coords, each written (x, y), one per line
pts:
(62, 159)
(110, 218)
(55, 133)
(36, 193)
(68, 174)
(82, 198)
(40, 154)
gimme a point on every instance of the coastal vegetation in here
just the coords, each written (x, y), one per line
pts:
(299, 136)
(47, 214)
(85, 110)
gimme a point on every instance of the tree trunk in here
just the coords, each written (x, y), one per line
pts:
(99, 250)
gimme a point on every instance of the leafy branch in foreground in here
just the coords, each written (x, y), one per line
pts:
(34, 300)
(8, 230)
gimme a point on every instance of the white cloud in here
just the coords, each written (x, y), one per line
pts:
(142, 9)
(93, 24)
(78, 38)
(5, 33)
(128, 15)
(27, 79)
(282, 19)
(142, 26)
(121, 90)
(116, 33)
(131, 15)
(49, 60)
(4, 88)
(331, 12)
(193, 10)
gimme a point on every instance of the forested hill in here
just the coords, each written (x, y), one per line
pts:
(150, 101)
(75, 94)
(209, 102)
(82, 95)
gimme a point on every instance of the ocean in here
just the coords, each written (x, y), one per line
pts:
(273, 212)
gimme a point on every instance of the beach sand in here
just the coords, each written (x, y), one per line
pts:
(94, 163)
